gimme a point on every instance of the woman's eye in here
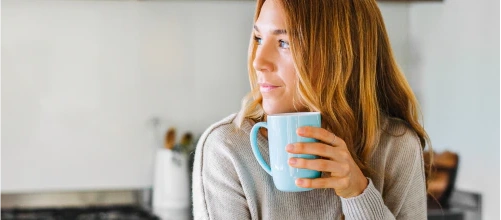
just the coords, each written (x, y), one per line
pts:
(258, 40)
(283, 44)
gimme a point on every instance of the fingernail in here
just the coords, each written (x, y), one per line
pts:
(292, 161)
(289, 147)
(299, 182)
(300, 131)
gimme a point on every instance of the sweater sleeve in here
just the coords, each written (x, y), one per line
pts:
(217, 192)
(405, 188)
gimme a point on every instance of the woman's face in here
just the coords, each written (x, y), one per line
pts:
(273, 62)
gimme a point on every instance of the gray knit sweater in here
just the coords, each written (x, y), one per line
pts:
(228, 182)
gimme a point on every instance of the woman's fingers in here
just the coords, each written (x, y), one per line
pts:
(320, 134)
(319, 149)
(316, 148)
(346, 177)
(326, 182)
(335, 168)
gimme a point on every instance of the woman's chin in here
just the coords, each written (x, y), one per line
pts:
(277, 107)
(272, 111)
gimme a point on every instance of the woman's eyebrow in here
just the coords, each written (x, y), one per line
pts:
(275, 32)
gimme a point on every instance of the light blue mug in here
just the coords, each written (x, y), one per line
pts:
(282, 131)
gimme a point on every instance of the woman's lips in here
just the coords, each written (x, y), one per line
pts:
(266, 87)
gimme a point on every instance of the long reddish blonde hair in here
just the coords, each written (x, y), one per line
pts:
(346, 70)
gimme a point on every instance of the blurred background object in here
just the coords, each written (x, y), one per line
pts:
(170, 138)
(445, 202)
(442, 179)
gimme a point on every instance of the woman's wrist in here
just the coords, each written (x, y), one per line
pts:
(357, 190)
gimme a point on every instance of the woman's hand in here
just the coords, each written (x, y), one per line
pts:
(346, 177)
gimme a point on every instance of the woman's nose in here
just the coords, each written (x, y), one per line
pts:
(264, 59)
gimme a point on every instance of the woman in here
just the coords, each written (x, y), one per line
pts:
(333, 57)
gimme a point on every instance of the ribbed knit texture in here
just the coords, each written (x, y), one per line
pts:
(229, 183)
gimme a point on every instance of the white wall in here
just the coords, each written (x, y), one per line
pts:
(396, 19)
(455, 55)
(81, 79)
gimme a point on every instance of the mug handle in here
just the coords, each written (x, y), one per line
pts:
(255, 149)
